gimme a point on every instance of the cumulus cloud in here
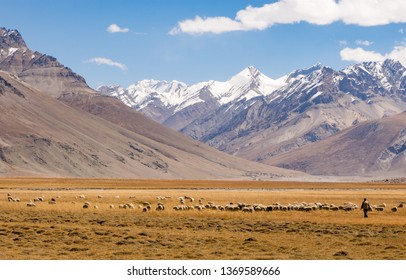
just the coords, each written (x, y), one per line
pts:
(361, 55)
(114, 28)
(319, 12)
(363, 43)
(106, 61)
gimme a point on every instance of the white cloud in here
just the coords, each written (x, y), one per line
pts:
(319, 12)
(361, 55)
(106, 61)
(401, 31)
(343, 43)
(114, 28)
(363, 43)
(214, 25)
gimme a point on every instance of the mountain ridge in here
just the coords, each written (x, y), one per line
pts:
(68, 131)
(42, 71)
(312, 104)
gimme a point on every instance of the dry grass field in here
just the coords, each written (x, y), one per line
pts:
(66, 230)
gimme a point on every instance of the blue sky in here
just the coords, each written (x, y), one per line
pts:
(192, 41)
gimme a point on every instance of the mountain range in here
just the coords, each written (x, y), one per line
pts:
(261, 119)
(316, 121)
(54, 125)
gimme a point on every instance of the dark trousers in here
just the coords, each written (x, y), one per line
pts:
(365, 213)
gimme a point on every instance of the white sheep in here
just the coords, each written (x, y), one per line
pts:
(31, 204)
(130, 205)
(249, 209)
(160, 207)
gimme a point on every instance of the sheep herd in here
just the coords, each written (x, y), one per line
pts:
(187, 203)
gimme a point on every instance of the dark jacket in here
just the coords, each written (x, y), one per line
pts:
(365, 205)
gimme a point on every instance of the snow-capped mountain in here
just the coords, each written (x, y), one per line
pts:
(166, 101)
(314, 104)
(258, 118)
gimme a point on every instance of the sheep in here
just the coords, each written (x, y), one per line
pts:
(379, 208)
(191, 199)
(31, 204)
(181, 200)
(199, 207)
(232, 207)
(259, 207)
(400, 205)
(99, 196)
(117, 196)
(38, 199)
(160, 207)
(82, 196)
(145, 209)
(122, 206)
(111, 206)
(249, 209)
(130, 205)
(394, 209)
(52, 201)
(269, 208)
(96, 207)
(13, 199)
(86, 205)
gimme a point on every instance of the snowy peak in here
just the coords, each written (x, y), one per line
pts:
(247, 74)
(175, 95)
(303, 72)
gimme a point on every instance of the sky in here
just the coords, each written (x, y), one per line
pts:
(124, 41)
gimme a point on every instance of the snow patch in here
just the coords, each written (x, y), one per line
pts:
(316, 95)
(11, 51)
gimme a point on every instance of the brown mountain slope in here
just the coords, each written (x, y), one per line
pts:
(374, 148)
(41, 136)
(41, 71)
(113, 110)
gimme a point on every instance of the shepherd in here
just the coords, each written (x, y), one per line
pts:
(366, 207)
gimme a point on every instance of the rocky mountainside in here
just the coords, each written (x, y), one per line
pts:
(176, 104)
(72, 131)
(306, 106)
(42, 136)
(315, 104)
(39, 70)
(373, 148)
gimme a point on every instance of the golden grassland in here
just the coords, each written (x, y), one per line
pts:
(67, 231)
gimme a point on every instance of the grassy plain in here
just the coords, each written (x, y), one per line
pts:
(67, 231)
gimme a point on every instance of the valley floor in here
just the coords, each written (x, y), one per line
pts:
(66, 230)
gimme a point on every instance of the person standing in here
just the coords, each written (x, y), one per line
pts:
(366, 207)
